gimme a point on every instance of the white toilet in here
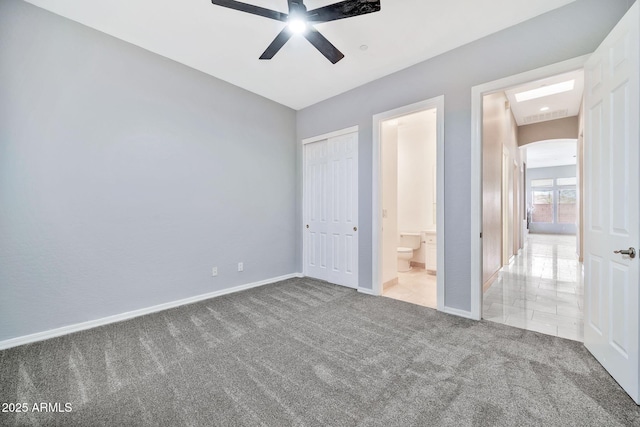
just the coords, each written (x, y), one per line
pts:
(408, 242)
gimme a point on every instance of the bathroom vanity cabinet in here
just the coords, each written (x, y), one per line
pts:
(431, 258)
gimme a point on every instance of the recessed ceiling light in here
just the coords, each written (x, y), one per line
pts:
(545, 91)
(544, 109)
(297, 26)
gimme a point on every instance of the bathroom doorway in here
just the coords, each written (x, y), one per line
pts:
(409, 259)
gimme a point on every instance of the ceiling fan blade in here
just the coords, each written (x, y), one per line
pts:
(343, 9)
(249, 8)
(323, 45)
(277, 44)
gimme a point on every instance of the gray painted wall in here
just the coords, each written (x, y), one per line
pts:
(568, 32)
(567, 171)
(125, 177)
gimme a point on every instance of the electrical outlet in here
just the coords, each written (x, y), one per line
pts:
(214, 271)
(240, 266)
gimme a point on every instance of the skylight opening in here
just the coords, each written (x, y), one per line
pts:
(543, 91)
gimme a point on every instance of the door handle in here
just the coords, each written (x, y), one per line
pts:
(631, 252)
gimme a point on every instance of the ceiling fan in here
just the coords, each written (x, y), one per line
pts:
(300, 21)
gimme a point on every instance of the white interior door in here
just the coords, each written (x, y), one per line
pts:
(316, 212)
(505, 207)
(331, 209)
(612, 162)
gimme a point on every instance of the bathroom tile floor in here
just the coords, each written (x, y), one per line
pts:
(415, 286)
(541, 290)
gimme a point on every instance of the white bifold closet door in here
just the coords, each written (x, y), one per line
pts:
(331, 209)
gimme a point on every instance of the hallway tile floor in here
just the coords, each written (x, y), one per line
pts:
(541, 289)
(415, 286)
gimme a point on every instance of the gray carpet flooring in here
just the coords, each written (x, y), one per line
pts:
(306, 353)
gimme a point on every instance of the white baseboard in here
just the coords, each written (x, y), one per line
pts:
(458, 312)
(41, 336)
(366, 291)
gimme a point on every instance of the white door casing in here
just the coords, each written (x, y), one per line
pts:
(376, 211)
(612, 193)
(477, 95)
(330, 206)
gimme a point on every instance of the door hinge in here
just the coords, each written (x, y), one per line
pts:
(481, 234)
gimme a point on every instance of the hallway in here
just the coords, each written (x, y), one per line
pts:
(541, 289)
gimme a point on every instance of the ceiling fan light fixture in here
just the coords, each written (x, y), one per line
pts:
(297, 26)
(301, 21)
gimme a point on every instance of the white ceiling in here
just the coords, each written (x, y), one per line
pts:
(226, 43)
(566, 104)
(555, 152)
